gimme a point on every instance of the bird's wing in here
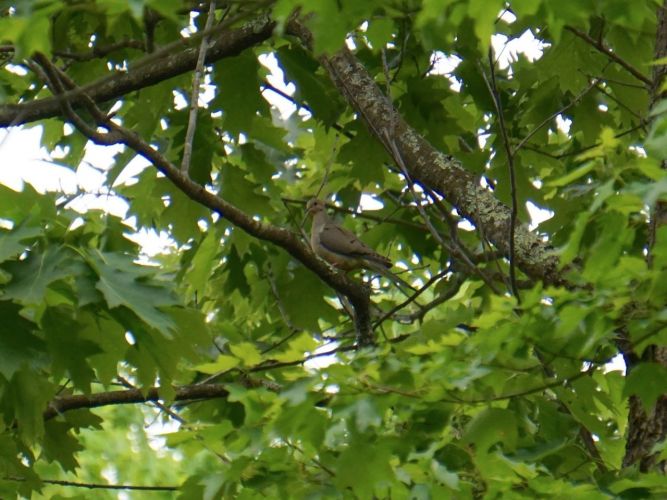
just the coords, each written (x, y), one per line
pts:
(345, 243)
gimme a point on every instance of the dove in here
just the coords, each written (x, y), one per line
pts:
(341, 247)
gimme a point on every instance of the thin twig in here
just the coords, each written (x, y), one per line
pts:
(536, 149)
(297, 222)
(128, 385)
(459, 248)
(59, 83)
(161, 406)
(412, 298)
(293, 330)
(620, 103)
(194, 98)
(432, 229)
(441, 298)
(606, 79)
(527, 392)
(304, 106)
(166, 50)
(388, 139)
(327, 167)
(601, 47)
(270, 365)
(562, 110)
(314, 460)
(390, 390)
(102, 51)
(97, 486)
(495, 96)
(361, 215)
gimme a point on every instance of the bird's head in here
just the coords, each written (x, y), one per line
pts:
(314, 206)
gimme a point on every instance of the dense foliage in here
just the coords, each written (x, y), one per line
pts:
(270, 375)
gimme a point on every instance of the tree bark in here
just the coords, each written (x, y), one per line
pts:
(440, 172)
(148, 71)
(63, 404)
(646, 429)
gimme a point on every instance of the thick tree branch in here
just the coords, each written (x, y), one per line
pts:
(63, 404)
(440, 172)
(176, 59)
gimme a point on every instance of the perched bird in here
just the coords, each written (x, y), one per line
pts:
(341, 247)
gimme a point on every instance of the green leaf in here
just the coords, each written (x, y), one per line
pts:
(379, 33)
(241, 192)
(571, 249)
(238, 91)
(573, 175)
(329, 27)
(13, 243)
(656, 142)
(109, 335)
(653, 482)
(19, 347)
(648, 381)
(124, 283)
(182, 215)
(221, 364)
(31, 277)
(247, 353)
(68, 350)
(297, 348)
(372, 459)
(60, 445)
(615, 235)
(311, 87)
(26, 396)
(203, 261)
(484, 14)
(366, 157)
(304, 310)
(17, 206)
(493, 426)
(440, 472)
(366, 414)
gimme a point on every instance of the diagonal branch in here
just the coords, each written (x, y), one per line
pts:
(601, 47)
(440, 172)
(594, 82)
(358, 295)
(492, 86)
